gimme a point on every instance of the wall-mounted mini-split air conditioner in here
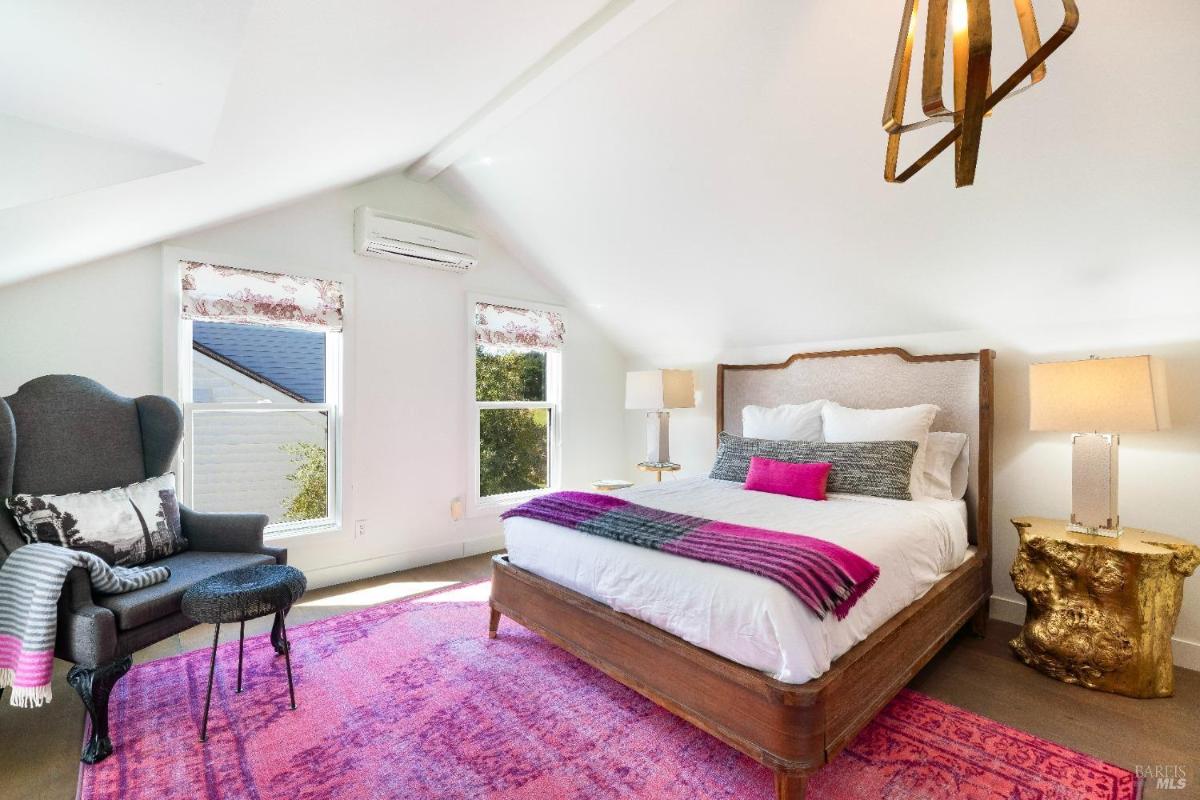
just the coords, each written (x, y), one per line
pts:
(386, 236)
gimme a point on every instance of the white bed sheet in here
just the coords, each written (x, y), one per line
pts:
(744, 617)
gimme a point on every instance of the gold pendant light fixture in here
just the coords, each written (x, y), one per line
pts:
(971, 49)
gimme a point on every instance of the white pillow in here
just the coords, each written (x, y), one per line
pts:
(797, 422)
(125, 526)
(946, 465)
(909, 424)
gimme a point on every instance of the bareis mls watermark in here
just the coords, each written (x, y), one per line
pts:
(1162, 776)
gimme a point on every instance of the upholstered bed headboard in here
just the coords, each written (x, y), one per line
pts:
(887, 377)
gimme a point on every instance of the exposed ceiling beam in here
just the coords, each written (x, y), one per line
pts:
(584, 45)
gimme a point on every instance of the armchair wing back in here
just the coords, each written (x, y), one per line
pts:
(65, 433)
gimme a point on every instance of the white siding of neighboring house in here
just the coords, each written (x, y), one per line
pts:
(239, 461)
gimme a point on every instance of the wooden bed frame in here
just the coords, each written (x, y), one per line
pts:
(794, 729)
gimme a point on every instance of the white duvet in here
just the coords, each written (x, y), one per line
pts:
(743, 617)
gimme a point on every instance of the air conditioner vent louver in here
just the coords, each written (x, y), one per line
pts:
(385, 236)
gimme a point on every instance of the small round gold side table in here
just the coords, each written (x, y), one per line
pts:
(610, 485)
(1101, 611)
(659, 469)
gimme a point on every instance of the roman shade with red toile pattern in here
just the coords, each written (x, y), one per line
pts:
(510, 327)
(251, 297)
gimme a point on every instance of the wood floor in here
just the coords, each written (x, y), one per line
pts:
(39, 748)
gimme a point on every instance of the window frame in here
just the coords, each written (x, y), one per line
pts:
(497, 503)
(178, 384)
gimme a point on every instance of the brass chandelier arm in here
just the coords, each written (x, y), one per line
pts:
(893, 110)
(933, 70)
(1038, 59)
(932, 100)
(1030, 36)
(975, 95)
(972, 117)
(893, 104)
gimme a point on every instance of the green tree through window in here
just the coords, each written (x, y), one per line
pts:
(513, 442)
(311, 479)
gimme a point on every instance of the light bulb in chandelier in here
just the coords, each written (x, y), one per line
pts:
(958, 16)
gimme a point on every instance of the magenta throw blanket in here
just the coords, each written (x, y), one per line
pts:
(31, 580)
(822, 575)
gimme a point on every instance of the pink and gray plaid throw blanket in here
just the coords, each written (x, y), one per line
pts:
(31, 580)
(824, 576)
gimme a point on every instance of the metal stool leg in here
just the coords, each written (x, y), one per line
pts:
(212, 666)
(276, 636)
(241, 649)
(287, 655)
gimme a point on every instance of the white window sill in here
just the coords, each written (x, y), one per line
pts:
(290, 532)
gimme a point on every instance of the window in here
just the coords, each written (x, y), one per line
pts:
(261, 388)
(516, 400)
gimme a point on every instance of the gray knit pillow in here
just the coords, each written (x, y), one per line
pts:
(878, 469)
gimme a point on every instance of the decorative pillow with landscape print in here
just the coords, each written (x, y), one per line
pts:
(126, 526)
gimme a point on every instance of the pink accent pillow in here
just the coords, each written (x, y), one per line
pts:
(785, 477)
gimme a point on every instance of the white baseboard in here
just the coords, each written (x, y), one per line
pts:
(486, 544)
(369, 568)
(1007, 610)
(1187, 653)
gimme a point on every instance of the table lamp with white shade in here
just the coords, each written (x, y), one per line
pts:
(658, 391)
(1097, 399)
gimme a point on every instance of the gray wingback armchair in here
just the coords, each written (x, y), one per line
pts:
(62, 434)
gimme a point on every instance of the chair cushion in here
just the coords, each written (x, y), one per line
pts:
(163, 599)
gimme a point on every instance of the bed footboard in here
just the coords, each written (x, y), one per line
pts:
(794, 729)
(775, 723)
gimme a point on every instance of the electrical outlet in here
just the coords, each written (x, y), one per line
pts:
(360, 528)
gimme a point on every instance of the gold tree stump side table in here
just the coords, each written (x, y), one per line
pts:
(1101, 611)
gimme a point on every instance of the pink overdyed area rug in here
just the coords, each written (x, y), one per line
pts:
(412, 700)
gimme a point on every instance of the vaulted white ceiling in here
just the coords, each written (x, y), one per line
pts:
(126, 122)
(715, 181)
(93, 94)
(699, 174)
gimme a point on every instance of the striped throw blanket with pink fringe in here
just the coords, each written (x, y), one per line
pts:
(825, 577)
(31, 580)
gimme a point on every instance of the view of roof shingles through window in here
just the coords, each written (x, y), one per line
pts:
(288, 360)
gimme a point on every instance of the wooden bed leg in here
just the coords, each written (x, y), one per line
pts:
(790, 785)
(979, 621)
(494, 624)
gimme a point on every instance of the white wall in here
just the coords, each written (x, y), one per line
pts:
(1160, 472)
(406, 366)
